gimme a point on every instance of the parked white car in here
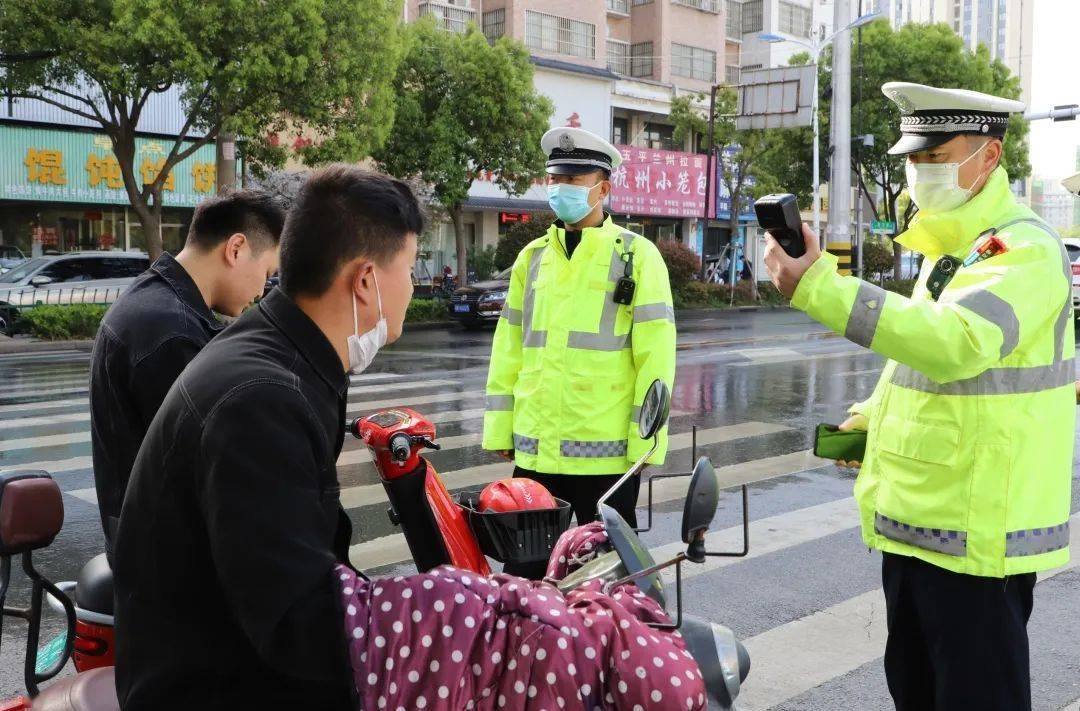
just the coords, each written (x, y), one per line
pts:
(75, 278)
(1072, 245)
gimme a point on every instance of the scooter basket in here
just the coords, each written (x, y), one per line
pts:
(517, 536)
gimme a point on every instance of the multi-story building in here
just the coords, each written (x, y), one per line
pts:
(1052, 202)
(1004, 27)
(612, 67)
(787, 18)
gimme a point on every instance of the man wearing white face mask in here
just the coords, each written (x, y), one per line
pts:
(587, 326)
(966, 483)
(235, 490)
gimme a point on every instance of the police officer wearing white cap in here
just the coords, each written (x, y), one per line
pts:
(587, 327)
(966, 483)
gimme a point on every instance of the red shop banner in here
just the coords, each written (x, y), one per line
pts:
(662, 183)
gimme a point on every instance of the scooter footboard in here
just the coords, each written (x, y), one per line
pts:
(408, 498)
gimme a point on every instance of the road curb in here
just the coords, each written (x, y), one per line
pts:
(10, 346)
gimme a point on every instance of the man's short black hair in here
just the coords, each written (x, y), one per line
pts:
(258, 215)
(341, 213)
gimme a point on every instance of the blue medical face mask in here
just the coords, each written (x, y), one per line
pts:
(570, 203)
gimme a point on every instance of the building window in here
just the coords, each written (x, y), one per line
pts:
(642, 2)
(618, 56)
(449, 15)
(752, 67)
(494, 24)
(1001, 26)
(967, 22)
(641, 59)
(794, 19)
(752, 16)
(620, 131)
(659, 136)
(731, 75)
(560, 35)
(706, 5)
(693, 62)
(734, 20)
(620, 6)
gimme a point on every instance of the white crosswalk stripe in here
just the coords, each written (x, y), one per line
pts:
(390, 550)
(46, 421)
(793, 658)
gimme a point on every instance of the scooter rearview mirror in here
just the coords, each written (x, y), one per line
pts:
(702, 498)
(654, 410)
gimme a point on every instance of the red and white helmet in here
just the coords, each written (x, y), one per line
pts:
(516, 494)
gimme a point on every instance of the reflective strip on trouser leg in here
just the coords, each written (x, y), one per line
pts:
(500, 403)
(865, 314)
(932, 539)
(997, 311)
(526, 445)
(512, 316)
(529, 337)
(605, 339)
(1033, 541)
(593, 450)
(995, 381)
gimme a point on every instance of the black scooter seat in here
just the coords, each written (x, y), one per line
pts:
(94, 586)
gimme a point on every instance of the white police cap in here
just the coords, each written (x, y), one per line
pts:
(574, 151)
(930, 116)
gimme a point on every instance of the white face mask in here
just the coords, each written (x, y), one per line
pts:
(362, 348)
(935, 187)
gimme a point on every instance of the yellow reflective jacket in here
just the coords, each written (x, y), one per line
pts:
(969, 454)
(570, 367)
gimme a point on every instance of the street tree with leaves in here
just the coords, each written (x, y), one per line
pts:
(466, 109)
(250, 68)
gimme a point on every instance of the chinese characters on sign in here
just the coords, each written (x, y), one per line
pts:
(662, 183)
(204, 175)
(45, 167)
(72, 166)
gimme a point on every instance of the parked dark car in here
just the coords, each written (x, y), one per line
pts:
(480, 303)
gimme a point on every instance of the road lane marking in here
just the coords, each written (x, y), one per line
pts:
(392, 549)
(791, 659)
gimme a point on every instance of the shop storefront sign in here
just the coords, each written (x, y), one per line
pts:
(662, 183)
(47, 165)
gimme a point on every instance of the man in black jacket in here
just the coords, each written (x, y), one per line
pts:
(232, 522)
(163, 320)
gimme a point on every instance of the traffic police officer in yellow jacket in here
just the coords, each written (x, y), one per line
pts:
(587, 326)
(966, 482)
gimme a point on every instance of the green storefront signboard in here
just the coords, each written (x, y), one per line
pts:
(48, 165)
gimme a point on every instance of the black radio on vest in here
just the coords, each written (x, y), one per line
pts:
(624, 288)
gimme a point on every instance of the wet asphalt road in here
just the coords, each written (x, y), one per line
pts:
(807, 598)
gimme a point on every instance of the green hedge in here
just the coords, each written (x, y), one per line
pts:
(62, 323)
(423, 310)
(903, 287)
(699, 295)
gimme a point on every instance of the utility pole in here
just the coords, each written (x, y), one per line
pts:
(226, 163)
(839, 227)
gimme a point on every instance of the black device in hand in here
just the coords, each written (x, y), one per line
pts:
(779, 216)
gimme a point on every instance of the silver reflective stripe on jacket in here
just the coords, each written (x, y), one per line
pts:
(938, 540)
(654, 312)
(1005, 380)
(529, 337)
(593, 450)
(995, 381)
(997, 311)
(1034, 541)
(526, 445)
(865, 313)
(500, 403)
(605, 339)
(512, 316)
